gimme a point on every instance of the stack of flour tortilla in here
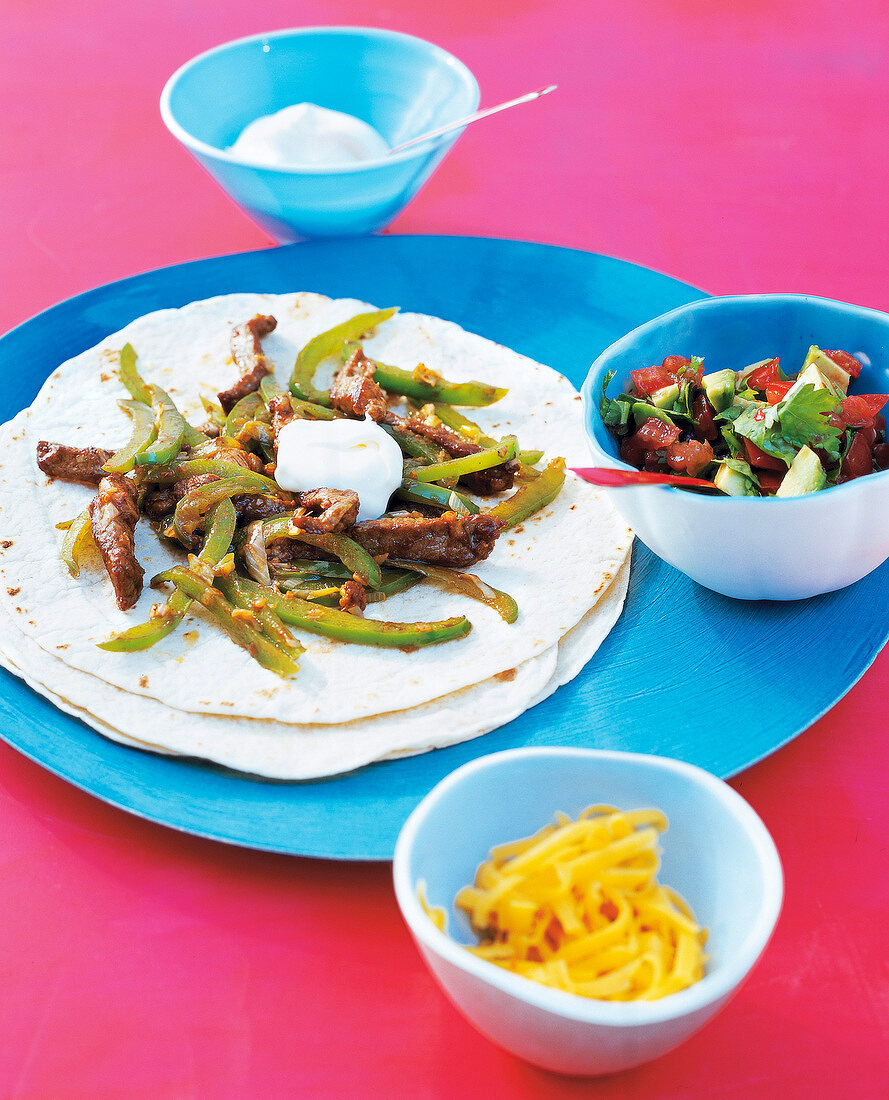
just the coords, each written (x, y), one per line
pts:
(196, 693)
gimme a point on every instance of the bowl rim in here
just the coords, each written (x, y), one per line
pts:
(422, 150)
(592, 385)
(711, 989)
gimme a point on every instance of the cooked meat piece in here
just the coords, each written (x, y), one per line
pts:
(448, 539)
(188, 483)
(247, 353)
(254, 506)
(354, 391)
(224, 451)
(354, 594)
(338, 510)
(114, 513)
(72, 463)
(159, 503)
(281, 410)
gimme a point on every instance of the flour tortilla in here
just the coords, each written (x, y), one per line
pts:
(300, 752)
(557, 564)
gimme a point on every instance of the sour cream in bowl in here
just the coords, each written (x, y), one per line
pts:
(319, 94)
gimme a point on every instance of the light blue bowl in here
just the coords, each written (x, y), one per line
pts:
(748, 547)
(399, 84)
(716, 853)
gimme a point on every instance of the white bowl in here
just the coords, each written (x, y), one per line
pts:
(716, 853)
(746, 547)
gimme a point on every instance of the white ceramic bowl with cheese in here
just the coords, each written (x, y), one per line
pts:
(716, 853)
(753, 548)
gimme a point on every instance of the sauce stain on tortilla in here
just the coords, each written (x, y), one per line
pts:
(506, 676)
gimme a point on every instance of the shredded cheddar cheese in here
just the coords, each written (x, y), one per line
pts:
(578, 907)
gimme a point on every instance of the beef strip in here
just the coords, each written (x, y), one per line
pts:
(448, 539)
(160, 503)
(72, 463)
(247, 353)
(338, 510)
(496, 479)
(114, 513)
(354, 391)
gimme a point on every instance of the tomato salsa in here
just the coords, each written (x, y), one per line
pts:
(752, 432)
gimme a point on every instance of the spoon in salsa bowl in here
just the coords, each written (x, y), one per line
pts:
(617, 479)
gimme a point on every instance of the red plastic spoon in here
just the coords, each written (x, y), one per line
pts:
(617, 479)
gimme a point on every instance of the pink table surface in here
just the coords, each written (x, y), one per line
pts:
(740, 145)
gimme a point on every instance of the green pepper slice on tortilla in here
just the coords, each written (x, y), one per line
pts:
(170, 425)
(328, 344)
(451, 580)
(142, 392)
(423, 384)
(216, 544)
(354, 557)
(194, 506)
(415, 492)
(143, 435)
(468, 464)
(333, 623)
(531, 496)
(239, 627)
(266, 619)
(182, 468)
(78, 536)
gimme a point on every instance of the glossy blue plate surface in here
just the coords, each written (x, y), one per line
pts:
(674, 676)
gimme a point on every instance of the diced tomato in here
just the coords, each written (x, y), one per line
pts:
(689, 458)
(703, 412)
(649, 380)
(769, 480)
(862, 408)
(681, 367)
(881, 456)
(762, 376)
(656, 434)
(777, 391)
(759, 458)
(858, 460)
(849, 363)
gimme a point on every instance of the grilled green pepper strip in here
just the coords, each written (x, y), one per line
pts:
(423, 384)
(214, 410)
(466, 585)
(417, 493)
(333, 623)
(394, 581)
(416, 446)
(267, 620)
(325, 591)
(193, 507)
(143, 435)
(299, 570)
(139, 391)
(327, 344)
(170, 426)
(131, 377)
(240, 629)
(78, 536)
(353, 556)
(192, 467)
(531, 496)
(216, 544)
(248, 408)
(270, 387)
(468, 464)
(467, 428)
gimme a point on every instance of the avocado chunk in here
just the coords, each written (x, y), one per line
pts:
(828, 369)
(813, 376)
(806, 475)
(665, 396)
(642, 411)
(720, 388)
(733, 482)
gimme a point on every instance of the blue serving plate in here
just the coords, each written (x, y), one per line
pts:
(673, 677)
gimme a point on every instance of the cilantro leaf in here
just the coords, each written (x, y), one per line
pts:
(803, 418)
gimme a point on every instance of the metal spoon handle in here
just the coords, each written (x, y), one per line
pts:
(472, 118)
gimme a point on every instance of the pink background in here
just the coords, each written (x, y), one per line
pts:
(740, 145)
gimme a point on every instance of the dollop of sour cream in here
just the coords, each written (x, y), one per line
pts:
(340, 454)
(306, 134)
